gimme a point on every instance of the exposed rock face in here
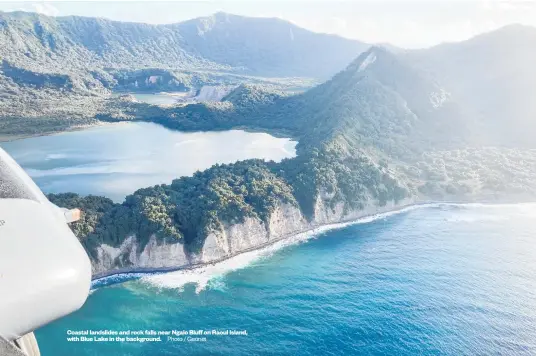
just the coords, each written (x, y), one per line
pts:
(155, 254)
(286, 220)
(233, 239)
(108, 256)
(325, 214)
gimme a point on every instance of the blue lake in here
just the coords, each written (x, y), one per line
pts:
(115, 160)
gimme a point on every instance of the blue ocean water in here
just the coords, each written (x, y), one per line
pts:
(442, 279)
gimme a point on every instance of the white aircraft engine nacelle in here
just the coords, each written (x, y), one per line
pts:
(44, 271)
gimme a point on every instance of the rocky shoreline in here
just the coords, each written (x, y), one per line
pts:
(197, 264)
(350, 220)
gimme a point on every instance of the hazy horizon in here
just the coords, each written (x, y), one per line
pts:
(407, 24)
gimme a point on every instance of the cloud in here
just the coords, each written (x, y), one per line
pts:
(42, 7)
(45, 9)
(508, 5)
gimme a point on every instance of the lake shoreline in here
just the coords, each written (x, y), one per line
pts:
(16, 137)
(116, 159)
(250, 129)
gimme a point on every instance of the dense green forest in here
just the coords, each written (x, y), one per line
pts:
(58, 73)
(190, 207)
(364, 136)
(385, 128)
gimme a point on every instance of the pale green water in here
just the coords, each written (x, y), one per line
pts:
(157, 98)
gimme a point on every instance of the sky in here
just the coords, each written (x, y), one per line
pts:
(408, 24)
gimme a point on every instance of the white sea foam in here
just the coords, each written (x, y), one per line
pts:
(203, 275)
(494, 212)
(115, 278)
(520, 206)
(210, 276)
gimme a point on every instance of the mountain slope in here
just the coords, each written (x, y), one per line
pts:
(381, 133)
(72, 44)
(56, 72)
(259, 46)
(477, 92)
(492, 75)
(381, 108)
(380, 100)
(267, 46)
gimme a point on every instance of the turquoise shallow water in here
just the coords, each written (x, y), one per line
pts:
(449, 280)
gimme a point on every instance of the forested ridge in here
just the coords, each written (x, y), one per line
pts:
(57, 73)
(385, 128)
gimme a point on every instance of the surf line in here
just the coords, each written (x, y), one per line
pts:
(127, 274)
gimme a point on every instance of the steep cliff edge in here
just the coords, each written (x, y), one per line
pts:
(378, 135)
(232, 239)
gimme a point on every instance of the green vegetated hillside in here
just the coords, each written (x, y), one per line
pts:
(380, 131)
(57, 72)
(257, 46)
(431, 124)
(492, 77)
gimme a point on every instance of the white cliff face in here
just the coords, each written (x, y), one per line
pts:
(215, 248)
(325, 214)
(232, 239)
(107, 255)
(249, 234)
(155, 254)
(285, 221)
(160, 254)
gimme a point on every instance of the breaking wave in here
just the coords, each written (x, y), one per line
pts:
(205, 276)
(210, 275)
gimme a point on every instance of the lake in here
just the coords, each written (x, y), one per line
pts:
(163, 98)
(115, 160)
(437, 279)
